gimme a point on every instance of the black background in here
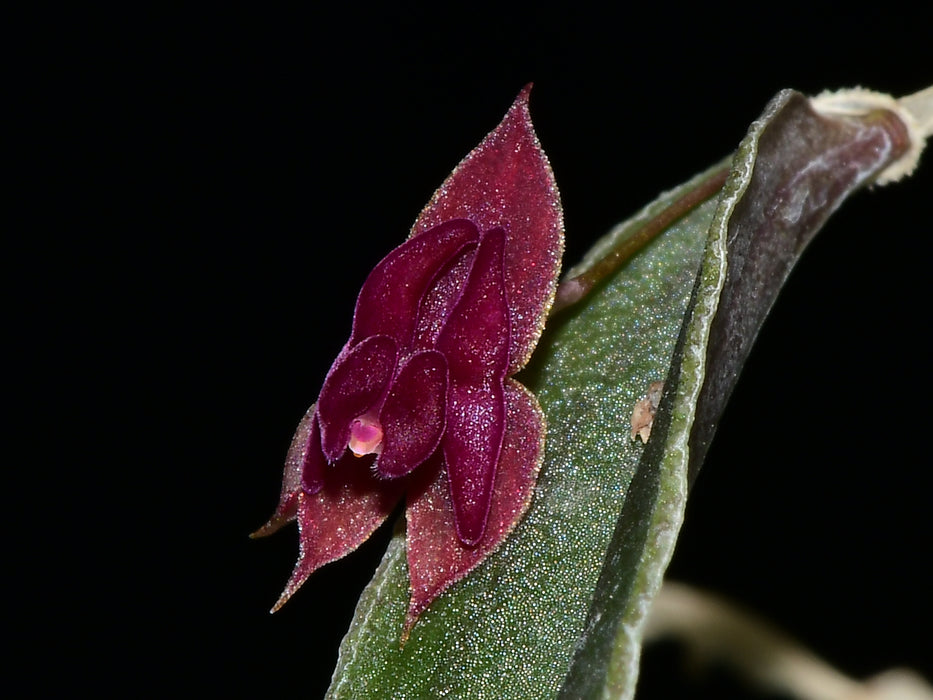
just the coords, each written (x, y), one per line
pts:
(211, 188)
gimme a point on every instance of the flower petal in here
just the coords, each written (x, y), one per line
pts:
(475, 342)
(507, 181)
(352, 504)
(388, 302)
(436, 557)
(356, 383)
(476, 419)
(412, 416)
(441, 298)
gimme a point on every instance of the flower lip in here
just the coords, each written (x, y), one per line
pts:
(365, 435)
(413, 415)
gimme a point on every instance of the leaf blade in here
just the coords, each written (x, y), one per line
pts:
(748, 258)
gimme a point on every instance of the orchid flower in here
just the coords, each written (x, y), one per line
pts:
(420, 403)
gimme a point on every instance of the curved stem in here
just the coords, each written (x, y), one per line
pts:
(570, 291)
(713, 630)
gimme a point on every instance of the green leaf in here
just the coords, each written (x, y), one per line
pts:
(558, 610)
(790, 173)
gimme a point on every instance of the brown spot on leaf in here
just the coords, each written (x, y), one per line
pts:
(643, 413)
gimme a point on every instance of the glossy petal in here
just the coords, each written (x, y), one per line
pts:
(439, 301)
(476, 422)
(475, 339)
(389, 300)
(340, 517)
(436, 557)
(413, 414)
(355, 385)
(475, 342)
(507, 181)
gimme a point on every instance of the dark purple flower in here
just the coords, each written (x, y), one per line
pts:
(420, 401)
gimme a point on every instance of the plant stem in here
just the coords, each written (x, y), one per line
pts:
(714, 631)
(570, 291)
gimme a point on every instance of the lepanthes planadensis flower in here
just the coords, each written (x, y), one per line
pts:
(420, 403)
